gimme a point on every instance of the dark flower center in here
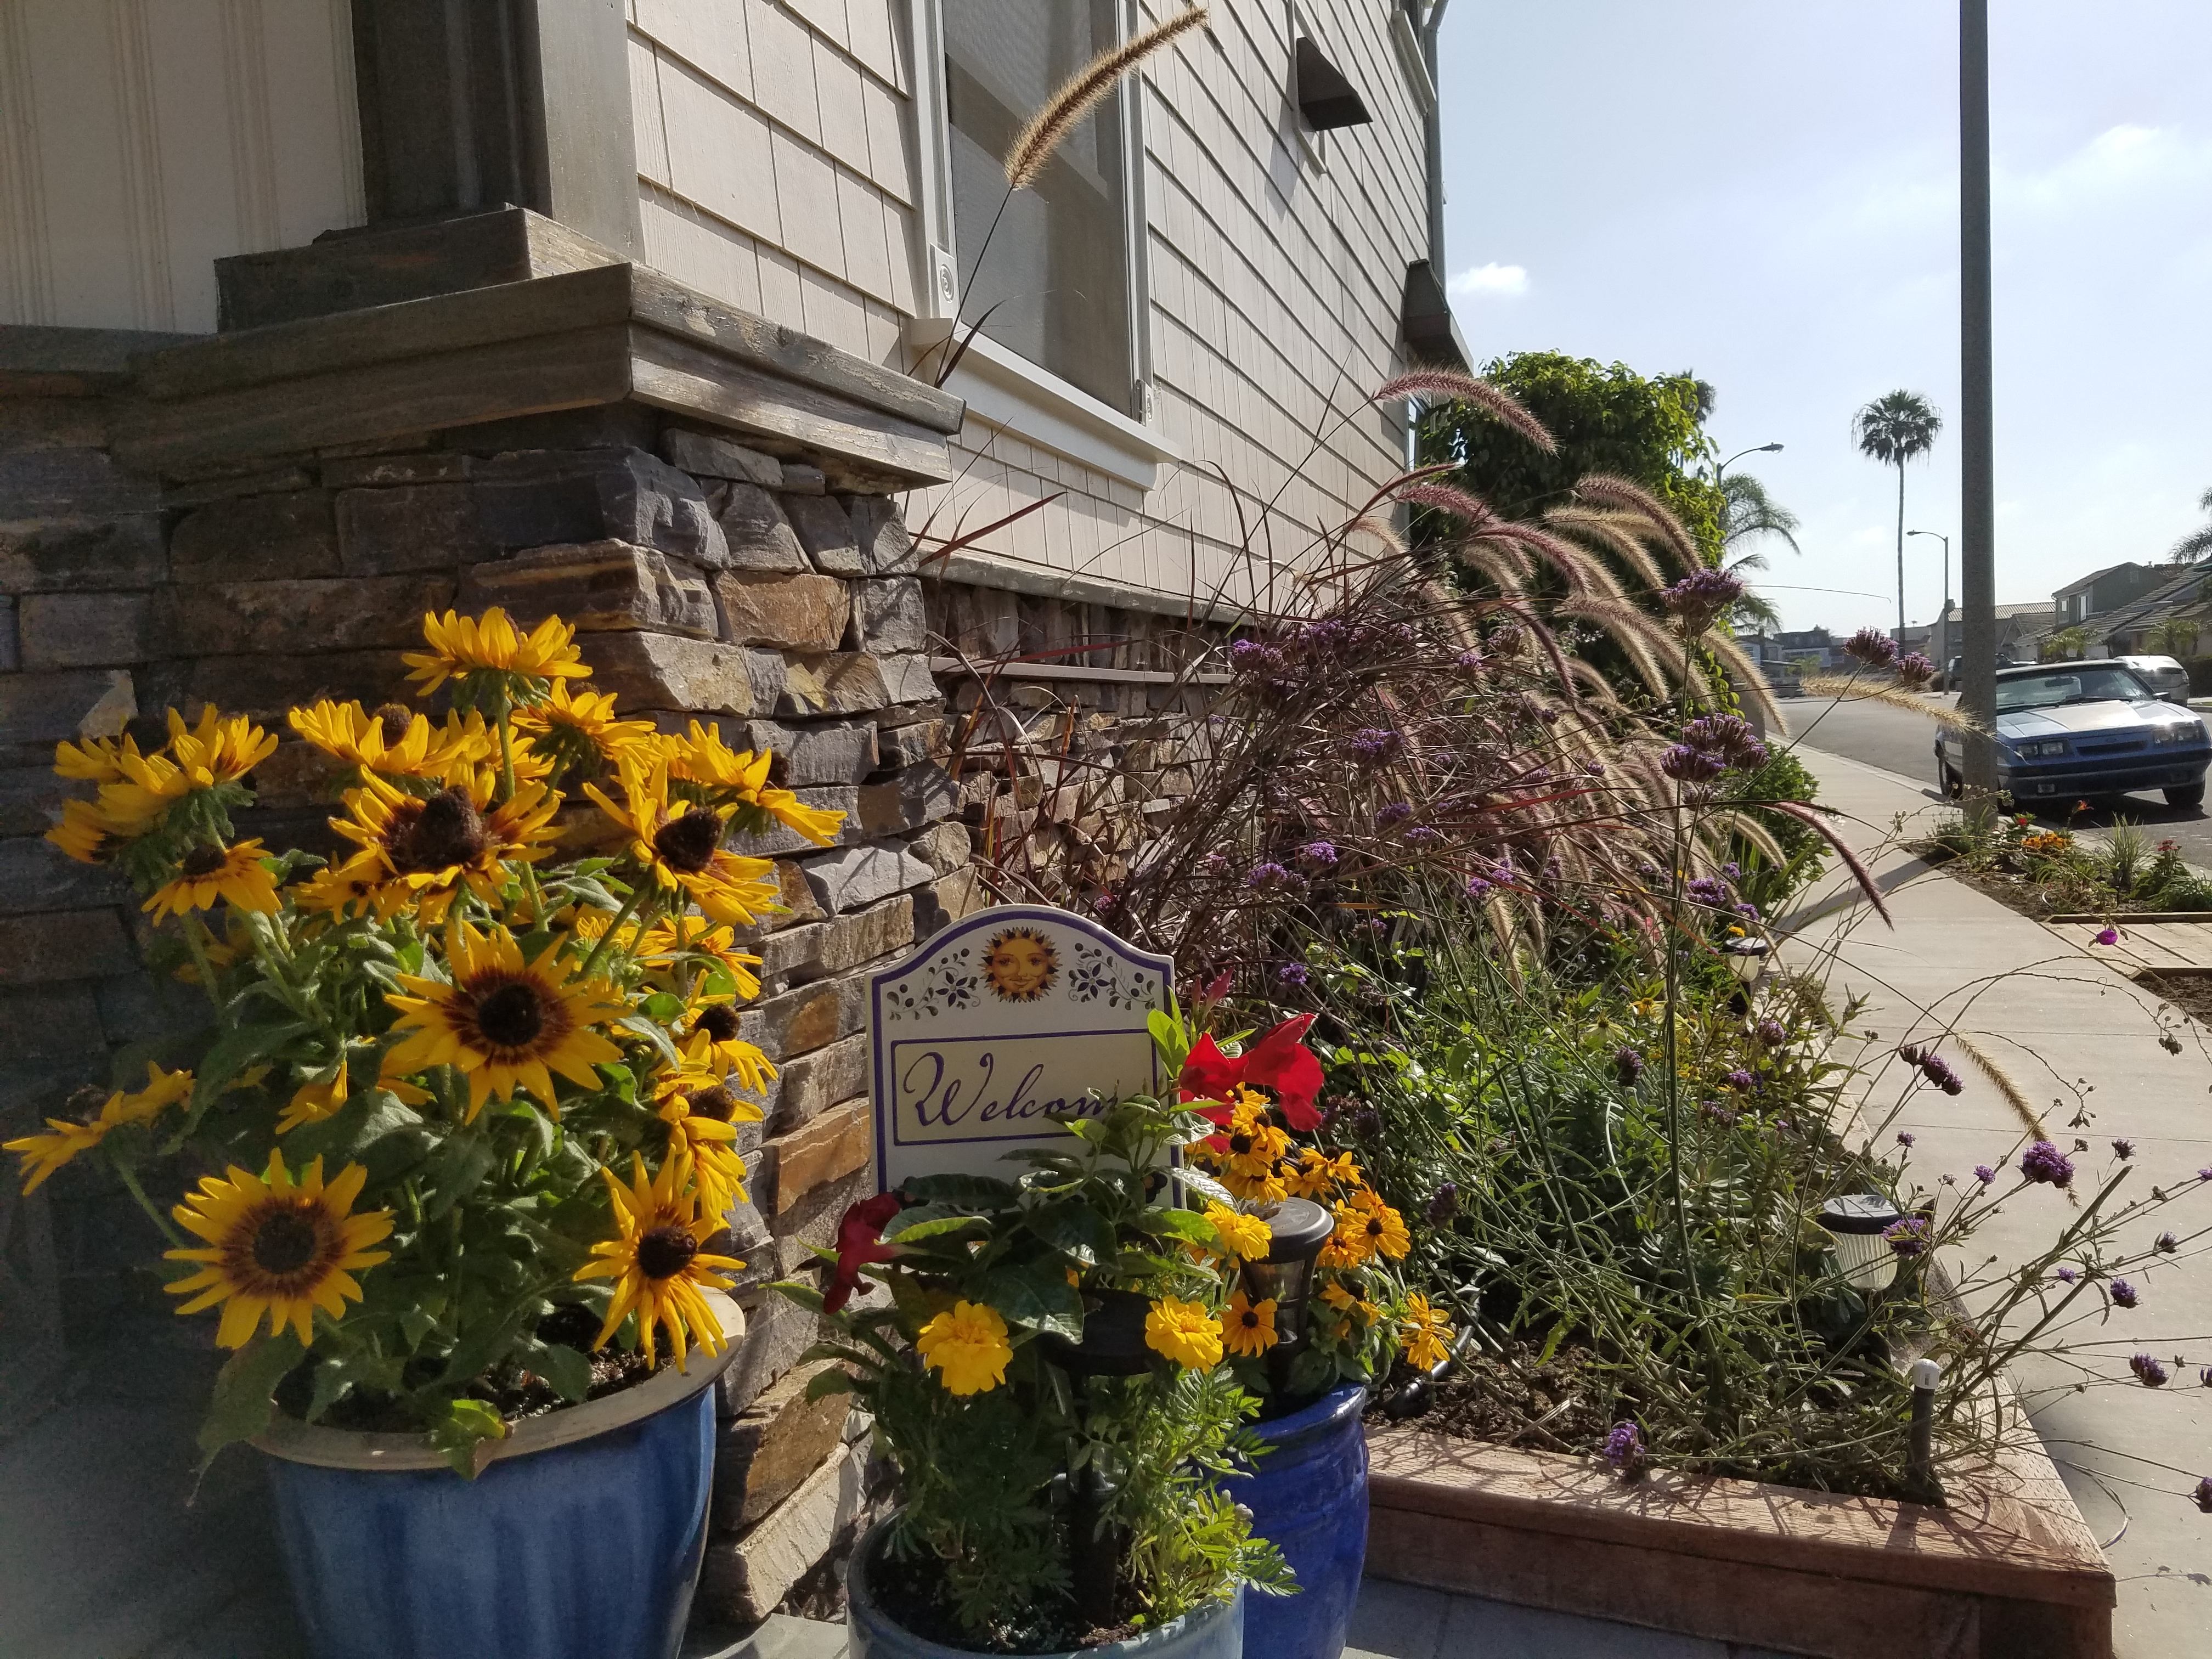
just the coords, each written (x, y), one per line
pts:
(717, 1103)
(1240, 1144)
(1375, 1226)
(1251, 1319)
(393, 719)
(201, 861)
(718, 1022)
(446, 831)
(284, 1242)
(688, 843)
(512, 1015)
(665, 1252)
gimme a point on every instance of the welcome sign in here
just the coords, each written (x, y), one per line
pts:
(1001, 1021)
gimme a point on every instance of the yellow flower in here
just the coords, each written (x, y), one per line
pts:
(211, 873)
(714, 1045)
(85, 832)
(504, 1023)
(1248, 1152)
(658, 1264)
(966, 1346)
(1343, 1302)
(684, 848)
(1249, 1327)
(423, 852)
(1426, 1333)
(461, 646)
(1317, 1173)
(703, 1114)
(43, 1154)
(100, 759)
(314, 1103)
(1185, 1332)
(278, 1247)
(1245, 1236)
(701, 757)
(217, 750)
(1367, 1227)
(577, 731)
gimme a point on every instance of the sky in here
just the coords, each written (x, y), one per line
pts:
(1764, 193)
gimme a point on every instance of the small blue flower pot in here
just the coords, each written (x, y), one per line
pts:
(1309, 1498)
(1214, 1632)
(580, 1540)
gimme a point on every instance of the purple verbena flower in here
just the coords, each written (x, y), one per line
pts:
(1443, 1204)
(1700, 596)
(2148, 1370)
(1938, 1071)
(1691, 765)
(2203, 1495)
(2043, 1164)
(1477, 888)
(2066, 1275)
(1733, 870)
(1395, 812)
(1318, 852)
(2166, 1245)
(1293, 972)
(1595, 768)
(1470, 659)
(1624, 1450)
(1914, 669)
(1984, 1173)
(1872, 648)
(1706, 890)
(1377, 746)
(2123, 1150)
(1628, 1066)
(1739, 1079)
(1422, 835)
(1908, 1237)
(2124, 1295)
(2204, 1375)
(1749, 912)
(1904, 1137)
(1772, 1032)
(1731, 738)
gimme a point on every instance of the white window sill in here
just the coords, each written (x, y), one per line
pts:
(1005, 390)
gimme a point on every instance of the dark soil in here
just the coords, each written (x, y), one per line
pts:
(517, 1396)
(1514, 1402)
(909, 1592)
(2018, 893)
(2191, 992)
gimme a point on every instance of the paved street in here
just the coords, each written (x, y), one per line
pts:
(1900, 742)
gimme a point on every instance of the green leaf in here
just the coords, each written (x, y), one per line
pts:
(240, 1407)
(337, 1374)
(1038, 1295)
(1075, 1230)
(568, 1371)
(1177, 1224)
(662, 1008)
(457, 1169)
(466, 1434)
(823, 1384)
(931, 1226)
(1205, 1185)
(230, 1055)
(807, 1295)
(414, 1325)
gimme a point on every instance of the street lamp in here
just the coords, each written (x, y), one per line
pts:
(1943, 651)
(1756, 449)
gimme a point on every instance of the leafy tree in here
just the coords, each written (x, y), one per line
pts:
(1896, 427)
(1610, 420)
(2197, 544)
(2066, 643)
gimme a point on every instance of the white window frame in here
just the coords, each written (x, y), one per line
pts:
(1002, 387)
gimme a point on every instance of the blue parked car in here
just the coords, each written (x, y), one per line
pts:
(2079, 730)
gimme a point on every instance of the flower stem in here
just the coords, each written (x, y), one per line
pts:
(629, 904)
(196, 941)
(506, 753)
(131, 1183)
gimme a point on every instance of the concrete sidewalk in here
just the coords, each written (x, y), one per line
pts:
(2083, 1045)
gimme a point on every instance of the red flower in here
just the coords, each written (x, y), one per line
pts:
(859, 1241)
(1278, 1062)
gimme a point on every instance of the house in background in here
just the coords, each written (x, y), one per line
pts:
(2018, 626)
(2104, 590)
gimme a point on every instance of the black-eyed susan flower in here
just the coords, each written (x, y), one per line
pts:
(218, 750)
(701, 758)
(208, 873)
(673, 937)
(421, 851)
(95, 760)
(1366, 1227)
(1426, 1333)
(1243, 1235)
(1317, 1174)
(88, 835)
(1249, 1149)
(577, 733)
(62, 1140)
(1248, 1327)
(488, 652)
(714, 1045)
(506, 1024)
(1338, 1297)
(966, 1346)
(703, 1113)
(659, 1263)
(1185, 1332)
(316, 1101)
(682, 845)
(278, 1246)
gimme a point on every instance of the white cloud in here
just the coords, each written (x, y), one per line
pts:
(1492, 281)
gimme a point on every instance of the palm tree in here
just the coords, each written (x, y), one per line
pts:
(1749, 514)
(2198, 542)
(1894, 429)
(2066, 643)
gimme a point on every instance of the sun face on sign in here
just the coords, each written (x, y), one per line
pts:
(1019, 965)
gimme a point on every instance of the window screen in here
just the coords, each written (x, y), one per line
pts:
(1054, 278)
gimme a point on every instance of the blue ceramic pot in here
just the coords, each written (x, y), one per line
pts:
(580, 1540)
(1214, 1632)
(1309, 1498)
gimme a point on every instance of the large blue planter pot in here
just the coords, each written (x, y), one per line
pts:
(1309, 1498)
(1214, 1632)
(580, 1540)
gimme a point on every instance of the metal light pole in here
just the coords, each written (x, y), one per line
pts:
(1756, 449)
(1943, 621)
(1978, 529)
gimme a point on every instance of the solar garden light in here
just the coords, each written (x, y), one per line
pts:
(1856, 1223)
(1285, 1275)
(1746, 958)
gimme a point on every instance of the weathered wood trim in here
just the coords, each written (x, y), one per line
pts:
(689, 315)
(999, 668)
(696, 380)
(529, 376)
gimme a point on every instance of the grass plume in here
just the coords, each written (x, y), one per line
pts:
(1080, 94)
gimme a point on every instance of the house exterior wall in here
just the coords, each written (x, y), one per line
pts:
(785, 152)
(141, 142)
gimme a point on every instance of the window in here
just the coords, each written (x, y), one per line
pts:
(1050, 266)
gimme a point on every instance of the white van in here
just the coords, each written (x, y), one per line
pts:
(2167, 679)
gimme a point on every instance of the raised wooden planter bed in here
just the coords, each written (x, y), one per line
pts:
(2007, 1571)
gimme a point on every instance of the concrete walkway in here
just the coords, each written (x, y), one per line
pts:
(2082, 1044)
